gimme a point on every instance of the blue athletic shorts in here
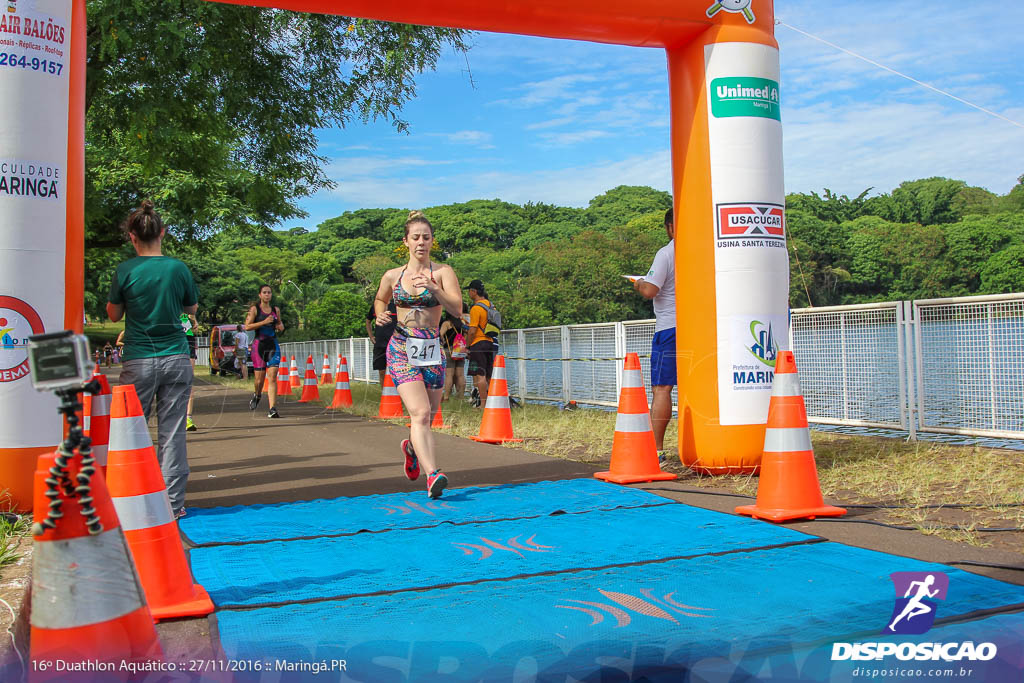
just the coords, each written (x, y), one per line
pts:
(663, 358)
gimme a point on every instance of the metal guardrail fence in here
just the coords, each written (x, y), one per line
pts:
(953, 366)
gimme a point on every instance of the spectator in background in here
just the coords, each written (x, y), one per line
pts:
(660, 285)
(482, 347)
(188, 324)
(381, 336)
(108, 350)
(455, 350)
(149, 292)
(242, 351)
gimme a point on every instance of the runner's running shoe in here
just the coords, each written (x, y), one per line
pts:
(436, 484)
(254, 402)
(190, 426)
(412, 463)
(273, 413)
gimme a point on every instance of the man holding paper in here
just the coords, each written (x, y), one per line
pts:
(660, 285)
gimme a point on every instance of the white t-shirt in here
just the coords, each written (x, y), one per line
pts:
(242, 340)
(663, 276)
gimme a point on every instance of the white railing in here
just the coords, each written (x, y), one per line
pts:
(951, 366)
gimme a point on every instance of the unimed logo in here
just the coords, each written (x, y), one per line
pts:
(916, 603)
(745, 96)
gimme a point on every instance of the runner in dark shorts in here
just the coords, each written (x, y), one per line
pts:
(265, 318)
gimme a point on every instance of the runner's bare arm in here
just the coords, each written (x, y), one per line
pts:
(449, 293)
(383, 296)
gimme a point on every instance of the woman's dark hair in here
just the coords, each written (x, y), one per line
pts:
(256, 304)
(417, 217)
(144, 222)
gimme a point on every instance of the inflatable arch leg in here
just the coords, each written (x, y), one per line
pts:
(730, 240)
(42, 169)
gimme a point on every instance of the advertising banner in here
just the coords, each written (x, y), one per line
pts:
(748, 198)
(34, 86)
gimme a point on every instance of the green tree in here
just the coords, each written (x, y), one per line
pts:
(212, 109)
(927, 201)
(831, 208)
(338, 314)
(1003, 273)
(620, 204)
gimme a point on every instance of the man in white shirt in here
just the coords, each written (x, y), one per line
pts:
(242, 351)
(660, 285)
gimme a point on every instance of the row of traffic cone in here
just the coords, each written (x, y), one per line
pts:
(95, 596)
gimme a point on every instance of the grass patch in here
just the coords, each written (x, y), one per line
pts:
(912, 483)
(101, 333)
(13, 528)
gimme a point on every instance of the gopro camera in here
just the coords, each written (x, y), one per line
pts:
(59, 360)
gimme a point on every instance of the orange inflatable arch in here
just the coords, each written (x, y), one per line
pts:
(732, 273)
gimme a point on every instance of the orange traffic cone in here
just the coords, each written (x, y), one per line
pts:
(496, 425)
(325, 374)
(788, 488)
(284, 382)
(140, 497)
(634, 454)
(438, 422)
(342, 390)
(390, 403)
(309, 390)
(293, 377)
(87, 604)
(96, 419)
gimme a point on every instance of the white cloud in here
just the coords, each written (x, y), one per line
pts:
(478, 138)
(849, 149)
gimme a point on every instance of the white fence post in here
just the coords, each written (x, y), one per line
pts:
(566, 368)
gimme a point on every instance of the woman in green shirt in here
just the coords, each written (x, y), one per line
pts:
(150, 292)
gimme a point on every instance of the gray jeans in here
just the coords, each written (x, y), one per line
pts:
(169, 378)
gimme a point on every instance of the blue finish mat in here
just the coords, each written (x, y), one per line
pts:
(712, 615)
(287, 571)
(242, 523)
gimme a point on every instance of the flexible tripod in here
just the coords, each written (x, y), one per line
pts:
(59, 478)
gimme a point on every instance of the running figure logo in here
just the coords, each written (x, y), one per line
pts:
(734, 6)
(914, 612)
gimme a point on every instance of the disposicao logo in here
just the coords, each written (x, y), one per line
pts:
(745, 96)
(914, 612)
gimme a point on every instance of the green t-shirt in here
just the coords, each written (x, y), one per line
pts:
(153, 290)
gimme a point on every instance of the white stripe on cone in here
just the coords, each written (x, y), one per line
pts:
(633, 422)
(632, 379)
(389, 391)
(341, 385)
(309, 380)
(100, 453)
(144, 511)
(498, 373)
(101, 404)
(500, 402)
(787, 439)
(105, 586)
(129, 434)
(787, 384)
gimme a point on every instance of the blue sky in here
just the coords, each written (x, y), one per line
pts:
(533, 119)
